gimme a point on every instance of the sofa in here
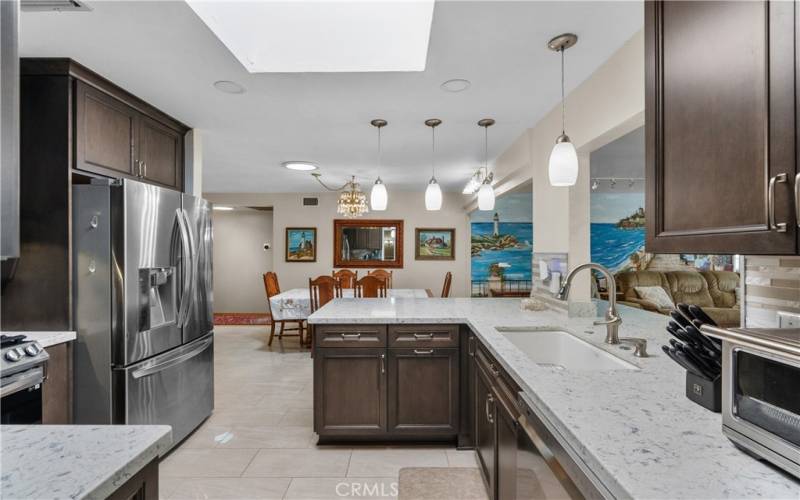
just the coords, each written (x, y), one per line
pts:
(714, 291)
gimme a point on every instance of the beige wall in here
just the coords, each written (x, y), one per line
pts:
(288, 211)
(604, 107)
(240, 259)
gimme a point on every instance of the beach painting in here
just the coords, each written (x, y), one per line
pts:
(617, 230)
(301, 244)
(501, 242)
(435, 244)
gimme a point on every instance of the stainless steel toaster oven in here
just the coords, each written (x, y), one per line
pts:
(761, 392)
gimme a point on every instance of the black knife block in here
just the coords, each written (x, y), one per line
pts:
(706, 393)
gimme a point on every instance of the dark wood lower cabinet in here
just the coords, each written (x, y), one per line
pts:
(423, 391)
(142, 486)
(350, 392)
(57, 389)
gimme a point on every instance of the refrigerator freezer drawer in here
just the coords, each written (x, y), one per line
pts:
(175, 388)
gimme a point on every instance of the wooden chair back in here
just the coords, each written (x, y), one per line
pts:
(271, 285)
(322, 290)
(346, 277)
(382, 274)
(370, 286)
(448, 279)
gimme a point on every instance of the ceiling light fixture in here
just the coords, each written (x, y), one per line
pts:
(222, 208)
(352, 201)
(378, 197)
(455, 85)
(433, 193)
(563, 164)
(229, 87)
(304, 166)
(486, 192)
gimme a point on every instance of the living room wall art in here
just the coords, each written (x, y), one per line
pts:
(301, 244)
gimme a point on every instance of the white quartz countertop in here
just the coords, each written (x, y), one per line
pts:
(46, 339)
(75, 461)
(635, 430)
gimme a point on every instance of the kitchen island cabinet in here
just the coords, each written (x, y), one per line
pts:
(596, 429)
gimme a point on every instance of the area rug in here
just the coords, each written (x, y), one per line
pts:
(440, 483)
(241, 318)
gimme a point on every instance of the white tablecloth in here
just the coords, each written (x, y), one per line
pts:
(295, 304)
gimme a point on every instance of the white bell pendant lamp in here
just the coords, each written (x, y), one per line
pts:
(486, 191)
(379, 197)
(433, 193)
(563, 165)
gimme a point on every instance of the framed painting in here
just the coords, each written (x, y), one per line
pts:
(435, 244)
(301, 244)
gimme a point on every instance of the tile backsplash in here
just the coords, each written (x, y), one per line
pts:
(771, 284)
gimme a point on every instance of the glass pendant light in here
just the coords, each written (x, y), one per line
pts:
(433, 193)
(563, 166)
(486, 191)
(378, 197)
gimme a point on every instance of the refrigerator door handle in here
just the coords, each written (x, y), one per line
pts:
(172, 361)
(193, 269)
(186, 250)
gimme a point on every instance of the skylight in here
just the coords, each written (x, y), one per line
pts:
(321, 36)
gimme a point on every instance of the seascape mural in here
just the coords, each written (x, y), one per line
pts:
(617, 230)
(502, 243)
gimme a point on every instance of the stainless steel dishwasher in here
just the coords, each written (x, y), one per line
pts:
(545, 470)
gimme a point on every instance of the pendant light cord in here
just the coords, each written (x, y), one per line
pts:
(433, 152)
(563, 104)
(486, 150)
(379, 151)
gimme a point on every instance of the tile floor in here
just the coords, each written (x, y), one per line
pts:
(259, 441)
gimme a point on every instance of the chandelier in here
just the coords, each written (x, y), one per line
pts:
(352, 201)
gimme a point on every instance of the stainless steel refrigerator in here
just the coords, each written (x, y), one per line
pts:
(142, 282)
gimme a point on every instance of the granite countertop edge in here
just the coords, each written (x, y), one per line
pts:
(47, 339)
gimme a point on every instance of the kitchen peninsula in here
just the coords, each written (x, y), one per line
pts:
(626, 432)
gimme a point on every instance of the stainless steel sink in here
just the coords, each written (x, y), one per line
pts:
(557, 348)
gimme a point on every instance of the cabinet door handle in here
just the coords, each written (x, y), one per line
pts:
(471, 346)
(144, 168)
(138, 168)
(797, 199)
(350, 336)
(494, 370)
(419, 336)
(774, 226)
(489, 403)
(383, 363)
(423, 351)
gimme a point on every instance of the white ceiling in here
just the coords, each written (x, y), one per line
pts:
(162, 52)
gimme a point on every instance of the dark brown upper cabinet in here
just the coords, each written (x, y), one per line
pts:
(106, 131)
(720, 127)
(115, 133)
(160, 151)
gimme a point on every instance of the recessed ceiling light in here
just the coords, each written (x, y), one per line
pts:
(229, 87)
(222, 208)
(456, 85)
(299, 165)
(287, 36)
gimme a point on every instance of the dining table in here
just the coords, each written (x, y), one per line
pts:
(295, 304)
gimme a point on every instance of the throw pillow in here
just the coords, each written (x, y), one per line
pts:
(656, 295)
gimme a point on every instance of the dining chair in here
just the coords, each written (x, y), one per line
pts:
(370, 286)
(322, 290)
(273, 288)
(382, 274)
(346, 277)
(448, 279)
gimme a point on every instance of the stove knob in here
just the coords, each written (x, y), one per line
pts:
(32, 349)
(12, 355)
